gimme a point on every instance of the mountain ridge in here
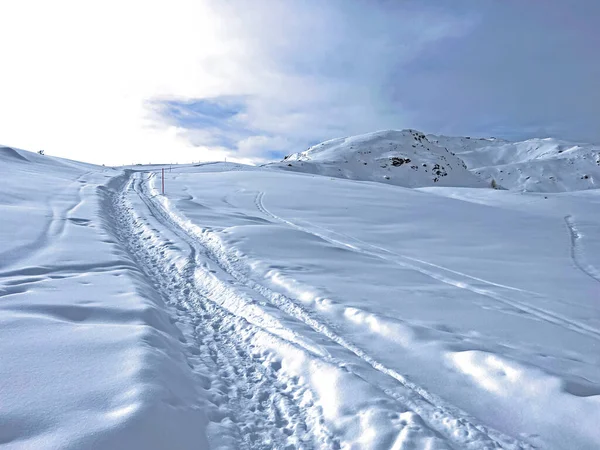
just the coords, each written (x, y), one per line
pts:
(536, 165)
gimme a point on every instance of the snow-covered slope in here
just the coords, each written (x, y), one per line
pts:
(478, 318)
(404, 158)
(88, 356)
(411, 159)
(537, 165)
(251, 308)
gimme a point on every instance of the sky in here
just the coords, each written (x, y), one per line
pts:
(124, 82)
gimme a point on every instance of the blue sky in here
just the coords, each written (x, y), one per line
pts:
(193, 80)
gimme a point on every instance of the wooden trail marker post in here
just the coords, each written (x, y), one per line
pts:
(163, 181)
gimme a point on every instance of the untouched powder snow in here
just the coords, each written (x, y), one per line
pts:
(404, 158)
(253, 308)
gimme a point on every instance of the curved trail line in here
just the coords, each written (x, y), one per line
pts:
(418, 265)
(577, 253)
(264, 407)
(455, 425)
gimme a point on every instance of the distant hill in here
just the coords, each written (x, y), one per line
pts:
(410, 158)
(538, 165)
(404, 158)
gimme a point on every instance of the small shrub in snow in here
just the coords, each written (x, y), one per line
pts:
(399, 161)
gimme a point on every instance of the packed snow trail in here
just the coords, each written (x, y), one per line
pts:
(266, 382)
(253, 404)
(457, 427)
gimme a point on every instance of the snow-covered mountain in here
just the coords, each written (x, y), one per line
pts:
(403, 158)
(537, 165)
(409, 158)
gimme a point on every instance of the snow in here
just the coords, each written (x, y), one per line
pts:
(254, 307)
(536, 165)
(88, 356)
(430, 302)
(404, 158)
(409, 158)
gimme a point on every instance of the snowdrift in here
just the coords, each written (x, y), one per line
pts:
(10, 154)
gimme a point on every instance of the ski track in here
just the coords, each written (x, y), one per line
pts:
(460, 429)
(577, 252)
(264, 408)
(417, 265)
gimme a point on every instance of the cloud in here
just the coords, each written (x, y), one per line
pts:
(527, 69)
(189, 80)
(309, 71)
(77, 76)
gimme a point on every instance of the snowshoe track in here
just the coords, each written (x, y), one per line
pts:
(254, 405)
(458, 428)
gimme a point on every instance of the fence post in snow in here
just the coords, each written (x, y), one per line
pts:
(163, 181)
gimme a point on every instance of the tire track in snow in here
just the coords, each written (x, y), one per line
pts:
(577, 253)
(256, 405)
(440, 275)
(455, 425)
